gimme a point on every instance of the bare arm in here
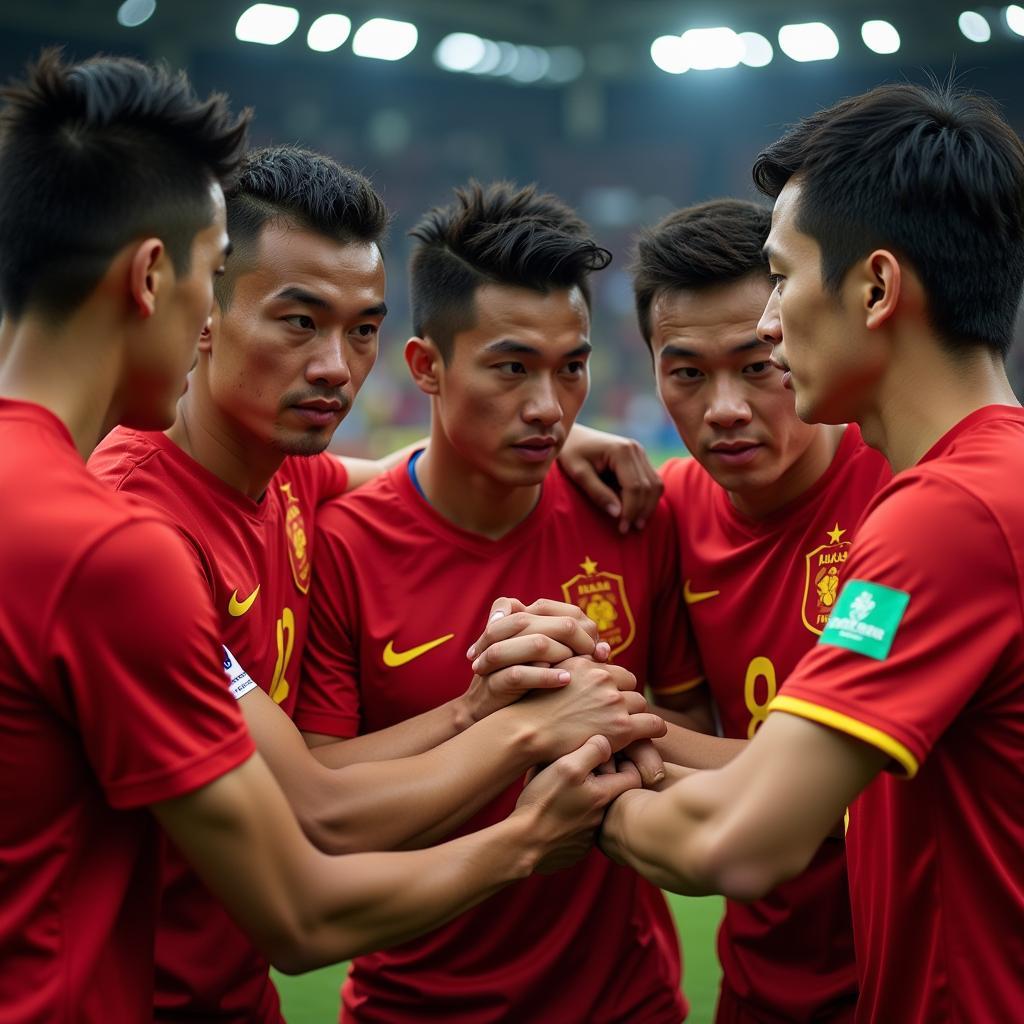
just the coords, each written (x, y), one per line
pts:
(746, 827)
(412, 801)
(691, 739)
(305, 908)
(362, 471)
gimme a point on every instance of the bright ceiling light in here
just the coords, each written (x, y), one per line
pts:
(328, 32)
(880, 36)
(532, 65)
(975, 27)
(384, 39)
(267, 23)
(813, 40)
(667, 54)
(1014, 15)
(757, 51)
(133, 13)
(705, 49)
(460, 51)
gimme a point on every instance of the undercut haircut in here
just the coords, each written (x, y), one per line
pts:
(934, 174)
(94, 155)
(498, 234)
(303, 189)
(698, 247)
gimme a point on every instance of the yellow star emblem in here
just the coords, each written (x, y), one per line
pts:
(835, 533)
(589, 566)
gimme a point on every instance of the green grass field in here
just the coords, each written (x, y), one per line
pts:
(313, 998)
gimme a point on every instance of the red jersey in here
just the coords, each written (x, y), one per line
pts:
(924, 659)
(759, 592)
(256, 559)
(594, 943)
(112, 697)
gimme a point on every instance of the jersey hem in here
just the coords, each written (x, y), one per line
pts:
(327, 725)
(665, 691)
(851, 726)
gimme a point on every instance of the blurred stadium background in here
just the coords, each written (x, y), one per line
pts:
(615, 106)
(619, 107)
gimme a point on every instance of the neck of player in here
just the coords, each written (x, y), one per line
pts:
(74, 371)
(469, 498)
(220, 444)
(925, 392)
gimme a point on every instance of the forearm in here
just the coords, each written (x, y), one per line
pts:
(415, 801)
(694, 749)
(404, 739)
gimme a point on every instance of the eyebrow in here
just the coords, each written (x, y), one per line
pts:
(317, 302)
(507, 346)
(678, 352)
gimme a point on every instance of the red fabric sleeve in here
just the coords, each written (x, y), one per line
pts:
(936, 542)
(328, 699)
(138, 668)
(332, 479)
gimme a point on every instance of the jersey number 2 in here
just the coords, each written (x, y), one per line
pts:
(285, 644)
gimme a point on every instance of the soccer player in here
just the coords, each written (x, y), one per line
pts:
(241, 473)
(897, 247)
(112, 695)
(777, 501)
(500, 306)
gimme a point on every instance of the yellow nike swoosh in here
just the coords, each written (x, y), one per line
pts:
(394, 659)
(694, 596)
(236, 607)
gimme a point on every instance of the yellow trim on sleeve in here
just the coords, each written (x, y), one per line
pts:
(851, 726)
(690, 684)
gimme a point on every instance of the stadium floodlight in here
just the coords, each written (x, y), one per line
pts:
(667, 54)
(384, 39)
(707, 49)
(269, 24)
(489, 61)
(508, 58)
(133, 13)
(975, 27)
(880, 36)
(460, 51)
(566, 64)
(328, 32)
(813, 40)
(757, 51)
(1014, 15)
(532, 65)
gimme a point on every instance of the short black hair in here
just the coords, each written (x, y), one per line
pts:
(93, 155)
(935, 174)
(304, 189)
(700, 246)
(498, 234)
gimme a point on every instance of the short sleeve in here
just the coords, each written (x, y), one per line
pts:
(328, 701)
(332, 477)
(675, 662)
(929, 607)
(137, 666)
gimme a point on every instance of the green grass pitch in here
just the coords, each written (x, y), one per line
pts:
(313, 998)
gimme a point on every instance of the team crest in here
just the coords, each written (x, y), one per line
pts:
(297, 539)
(602, 597)
(822, 579)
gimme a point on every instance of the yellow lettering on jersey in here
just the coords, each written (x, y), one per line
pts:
(759, 668)
(285, 632)
(691, 596)
(237, 608)
(395, 659)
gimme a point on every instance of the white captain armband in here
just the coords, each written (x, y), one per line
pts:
(239, 681)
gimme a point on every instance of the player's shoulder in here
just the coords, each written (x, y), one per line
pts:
(313, 477)
(117, 459)
(685, 479)
(381, 502)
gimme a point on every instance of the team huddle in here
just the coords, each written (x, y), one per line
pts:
(457, 714)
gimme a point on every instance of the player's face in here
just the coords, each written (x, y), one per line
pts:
(815, 332)
(287, 357)
(724, 396)
(516, 382)
(166, 351)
